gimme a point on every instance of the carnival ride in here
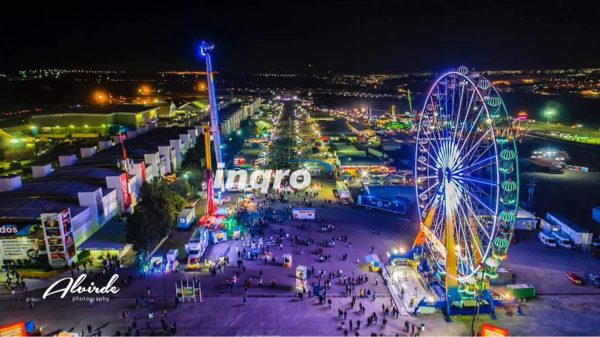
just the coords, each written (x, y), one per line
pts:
(212, 130)
(215, 219)
(466, 179)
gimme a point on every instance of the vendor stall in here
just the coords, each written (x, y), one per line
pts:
(287, 260)
(218, 236)
(172, 262)
(373, 261)
(301, 278)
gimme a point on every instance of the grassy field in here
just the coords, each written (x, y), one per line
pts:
(594, 134)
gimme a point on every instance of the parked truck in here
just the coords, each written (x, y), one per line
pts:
(341, 190)
(578, 235)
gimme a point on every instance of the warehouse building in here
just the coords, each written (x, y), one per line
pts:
(91, 121)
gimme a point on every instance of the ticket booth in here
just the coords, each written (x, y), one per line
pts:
(287, 260)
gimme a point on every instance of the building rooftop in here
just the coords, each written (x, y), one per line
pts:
(45, 195)
(359, 161)
(335, 127)
(229, 110)
(104, 110)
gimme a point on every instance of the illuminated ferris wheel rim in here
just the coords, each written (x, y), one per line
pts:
(469, 84)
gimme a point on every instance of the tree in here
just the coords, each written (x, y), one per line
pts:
(194, 157)
(178, 202)
(154, 215)
(182, 187)
(139, 232)
(196, 178)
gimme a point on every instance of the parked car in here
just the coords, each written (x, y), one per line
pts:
(574, 278)
(594, 279)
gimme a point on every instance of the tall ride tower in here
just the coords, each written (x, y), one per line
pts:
(206, 50)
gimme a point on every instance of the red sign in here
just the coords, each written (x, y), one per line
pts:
(493, 331)
(125, 191)
(237, 161)
(14, 329)
(143, 169)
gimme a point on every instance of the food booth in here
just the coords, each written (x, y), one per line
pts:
(287, 260)
(373, 261)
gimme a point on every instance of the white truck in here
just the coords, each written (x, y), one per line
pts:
(563, 240)
(547, 239)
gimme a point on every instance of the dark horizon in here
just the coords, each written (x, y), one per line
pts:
(344, 37)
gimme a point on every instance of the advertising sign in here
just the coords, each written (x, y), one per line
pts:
(143, 169)
(125, 191)
(303, 213)
(13, 329)
(493, 331)
(8, 230)
(20, 248)
(238, 161)
(188, 292)
(58, 234)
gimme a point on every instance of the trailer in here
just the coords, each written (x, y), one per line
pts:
(394, 205)
(196, 246)
(186, 217)
(577, 234)
(525, 220)
(342, 190)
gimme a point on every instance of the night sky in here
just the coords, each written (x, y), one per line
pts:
(342, 36)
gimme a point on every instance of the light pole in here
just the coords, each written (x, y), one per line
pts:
(549, 114)
(164, 288)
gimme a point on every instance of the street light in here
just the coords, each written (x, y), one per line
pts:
(549, 114)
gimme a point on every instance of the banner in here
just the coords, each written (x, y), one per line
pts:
(125, 191)
(20, 248)
(58, 234)
(13, 329)
(303, 213)
(188, 292)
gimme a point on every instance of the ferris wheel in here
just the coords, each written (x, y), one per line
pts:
(466, 180)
